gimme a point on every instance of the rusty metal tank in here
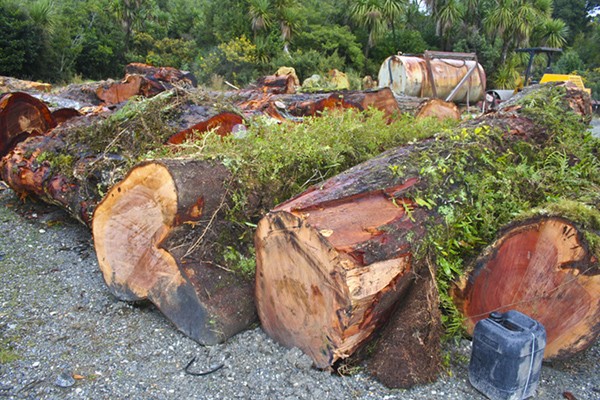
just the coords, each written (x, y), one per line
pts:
(409, 76)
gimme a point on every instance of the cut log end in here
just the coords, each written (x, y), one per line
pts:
(21, 116)
(300, 290)
(147, 195)
(439, 109)
(117, 92)
(142, 256)
(544, 269)
(223, 124)
(314, 292)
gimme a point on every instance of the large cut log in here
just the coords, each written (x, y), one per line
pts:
(112, 92)
(41, 166)
(8, 84)
(144, 80)
(283, 84)
(545, 268)
(150, 233)
(334, 262)
(439, 109)
(21, 116)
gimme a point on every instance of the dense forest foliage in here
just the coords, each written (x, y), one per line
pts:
(238, 40)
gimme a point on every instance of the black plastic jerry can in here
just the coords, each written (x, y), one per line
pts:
(507, 354)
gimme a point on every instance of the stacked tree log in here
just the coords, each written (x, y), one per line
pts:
(293, 106)
(344, 259)
(166, 247)
(21, 116)
(72, 169)
(155, 234)
(545, 267)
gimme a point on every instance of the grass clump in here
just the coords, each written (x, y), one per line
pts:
(7, 351)
(274, 162)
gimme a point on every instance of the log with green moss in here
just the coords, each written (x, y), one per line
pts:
(334, 263)
(191, 225)
(74, 165)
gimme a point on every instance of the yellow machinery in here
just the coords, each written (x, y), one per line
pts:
(495, 96)
(575, 79)
(548, 75)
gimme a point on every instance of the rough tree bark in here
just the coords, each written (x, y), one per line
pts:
(150, 234)
(545, 268)
(76, 189)
(64, 114)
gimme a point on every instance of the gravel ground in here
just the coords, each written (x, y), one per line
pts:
(58, 321)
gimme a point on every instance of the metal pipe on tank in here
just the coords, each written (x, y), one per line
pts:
(408, 76)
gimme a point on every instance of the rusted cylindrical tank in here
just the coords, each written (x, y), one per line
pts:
(408, 75)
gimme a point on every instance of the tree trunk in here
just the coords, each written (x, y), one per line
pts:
(334, 262)
(61, 169)
(439, 109)
(42, 167)
(163, 74)
(283, 84)
(543, 267)
(294, 106)
(153, 233)
(328, 275)
(223, 124)
(21, 116)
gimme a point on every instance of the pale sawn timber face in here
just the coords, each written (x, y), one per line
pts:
(135, 216)
(149, 231)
